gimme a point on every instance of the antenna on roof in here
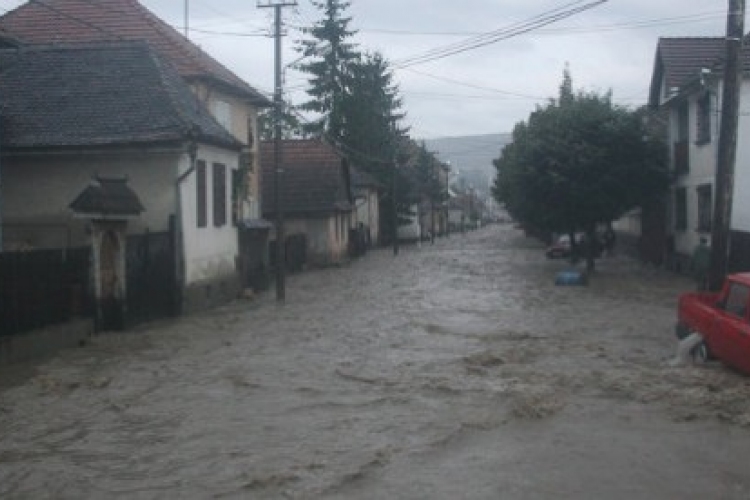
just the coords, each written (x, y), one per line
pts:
(187, 17)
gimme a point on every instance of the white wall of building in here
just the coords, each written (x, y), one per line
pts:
(210, 251)
(37, 192)
(741, 200)
(411, 230)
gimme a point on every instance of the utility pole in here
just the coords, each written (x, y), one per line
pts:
(277, 170)
(730, 104)
(394, 206)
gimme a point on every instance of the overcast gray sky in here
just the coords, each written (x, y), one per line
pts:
(485, 90)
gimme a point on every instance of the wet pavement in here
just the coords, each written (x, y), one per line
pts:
(455, 370)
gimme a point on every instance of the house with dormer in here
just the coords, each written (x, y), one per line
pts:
(233, 103)
(686, 85)
(73, 116)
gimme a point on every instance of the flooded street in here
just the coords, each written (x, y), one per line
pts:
(455, 370)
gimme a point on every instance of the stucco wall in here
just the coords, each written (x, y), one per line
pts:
(327, 244)
(37, 190)
(243, 125)
(703, 160)
(741, 205)
(211, 251)
(702, 165)
(368, 213)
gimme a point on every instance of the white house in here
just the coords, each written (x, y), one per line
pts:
(687, 82)
(117, 110)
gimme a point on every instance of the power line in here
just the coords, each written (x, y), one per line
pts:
(258, 33)
(491, 37)
(472, 85)
(648, 23)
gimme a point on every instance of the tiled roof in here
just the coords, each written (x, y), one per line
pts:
(315, 178)
(109, 197)
(111, 94)
(679, 61)
(86, 21)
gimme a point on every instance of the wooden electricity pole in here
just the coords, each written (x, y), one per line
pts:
(724, 183)
(277, 170)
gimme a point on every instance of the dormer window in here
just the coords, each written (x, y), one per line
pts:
(223, 113)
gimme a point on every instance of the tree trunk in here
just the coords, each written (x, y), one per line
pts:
(575, 251)
(591, 245)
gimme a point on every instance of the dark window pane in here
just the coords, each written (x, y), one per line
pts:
(200, 195)
(220, 194)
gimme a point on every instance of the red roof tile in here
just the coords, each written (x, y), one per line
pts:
(315, 178)
(85, 21)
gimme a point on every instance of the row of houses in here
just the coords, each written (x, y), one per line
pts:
(119, 135)
(686, 94)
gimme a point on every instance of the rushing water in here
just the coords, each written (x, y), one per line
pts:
(454, 370)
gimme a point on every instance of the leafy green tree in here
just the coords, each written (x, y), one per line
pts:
(327, 56)
(579, 161)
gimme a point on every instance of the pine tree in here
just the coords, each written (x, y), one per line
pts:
(373, 138)
(328, 54)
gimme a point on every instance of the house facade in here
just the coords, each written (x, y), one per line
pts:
(315, 196)
(687, 84)
(117, 111)
(366, 204)
(233, 103)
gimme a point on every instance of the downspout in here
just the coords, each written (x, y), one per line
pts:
(1, 198)
(180, 267)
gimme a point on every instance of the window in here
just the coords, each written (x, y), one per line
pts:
(680, 209)
(682, 122)
(703, 120)
(220, 194)
(201, 215)
(223, 114)
(681, 150)
(737, 299)
(704, 208)
(237, 190)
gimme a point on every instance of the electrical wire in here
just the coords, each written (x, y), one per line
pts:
(473, 85)
(531, 24)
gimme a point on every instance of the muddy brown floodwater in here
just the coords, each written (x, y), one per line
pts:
(453, 371)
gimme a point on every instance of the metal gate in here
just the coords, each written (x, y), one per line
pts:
(151, 278)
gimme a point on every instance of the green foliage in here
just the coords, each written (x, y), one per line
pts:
(371, 112)
(427, 168)
(328, 55)
(372, 137)
(579, 161)
(358, 106)
(291, 127)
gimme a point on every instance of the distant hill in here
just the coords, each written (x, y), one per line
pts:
(471, 156)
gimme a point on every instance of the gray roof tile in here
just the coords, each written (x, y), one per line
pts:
(108, 94)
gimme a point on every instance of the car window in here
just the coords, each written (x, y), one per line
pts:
(737, 299)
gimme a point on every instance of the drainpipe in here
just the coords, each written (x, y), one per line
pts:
(1, 202)
(180, 268)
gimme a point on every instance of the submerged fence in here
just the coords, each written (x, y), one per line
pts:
(40, 288)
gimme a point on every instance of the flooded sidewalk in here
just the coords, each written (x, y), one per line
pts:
(454, 370)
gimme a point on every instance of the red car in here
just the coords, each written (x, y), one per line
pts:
(722, 319)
